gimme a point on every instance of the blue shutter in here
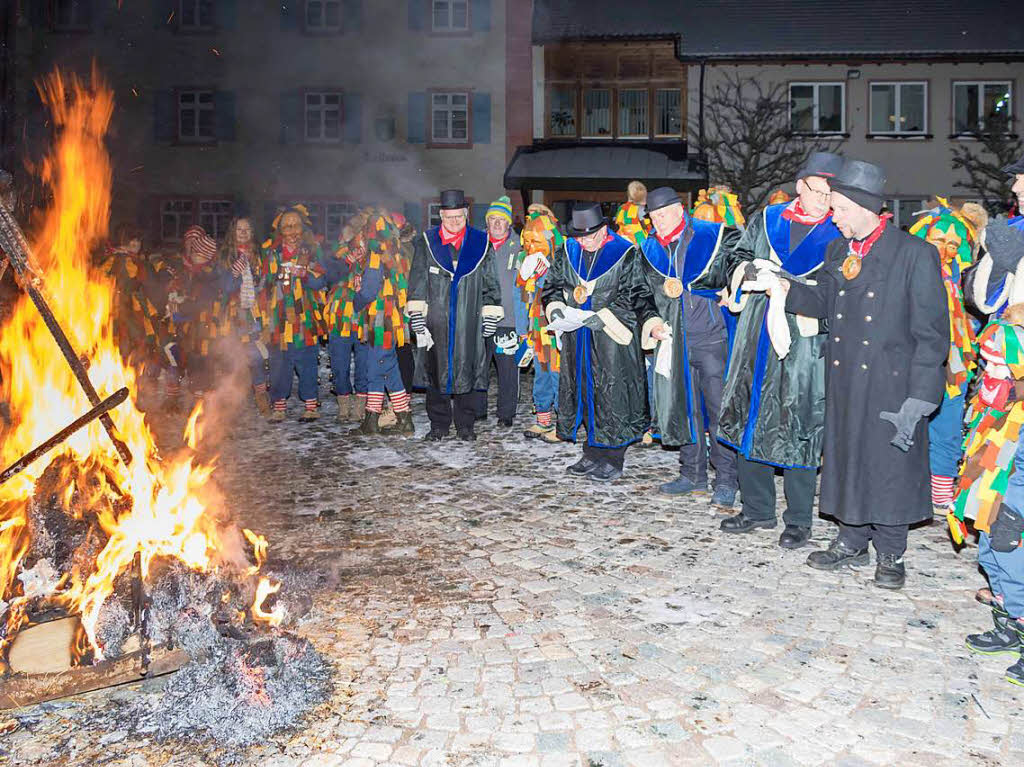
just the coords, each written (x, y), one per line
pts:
(352, 104)
(416, 130)
(224, 115)
(162, 10)
(291, 14)
(225, 13)
(417, 12)
(480, 15)
(481, 118)
(414, 214)
(351, 15)
(292, 125)
(165, 116)
(477, 216)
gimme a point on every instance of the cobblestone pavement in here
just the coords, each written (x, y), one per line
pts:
(490, 610)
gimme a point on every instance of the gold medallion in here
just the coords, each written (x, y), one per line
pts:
(851, 267)
(673, 287)
(579, 294)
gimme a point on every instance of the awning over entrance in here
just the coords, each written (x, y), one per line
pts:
(604, 166)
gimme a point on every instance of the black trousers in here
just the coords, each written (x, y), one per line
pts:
(613, 456)
(757, 487)
(888, 539)
(707, 379)
(508, 381)
(441, 408)
(406, 366)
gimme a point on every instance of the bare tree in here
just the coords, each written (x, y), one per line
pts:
(749, 143)
(983, 162)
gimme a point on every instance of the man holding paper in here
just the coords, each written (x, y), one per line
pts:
(691, 333)
(589, 295)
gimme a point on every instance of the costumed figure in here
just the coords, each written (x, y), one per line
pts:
(201, 308)
(454, 306)
(291, 304)
(779, 196)
(773, 408)
(690, 335)
(631, 219)
(540, 239)
(589, 290)
(996, 281)
(719, 205)
(955, 234)
(881, 292)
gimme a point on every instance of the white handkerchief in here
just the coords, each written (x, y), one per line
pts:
(663, 362)
(572, 319)
(424, 340)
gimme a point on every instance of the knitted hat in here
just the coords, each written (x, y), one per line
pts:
(502, 207)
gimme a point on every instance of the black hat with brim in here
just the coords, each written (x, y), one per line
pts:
(453, 199)
(1014, 168)
(587, 218)
(822, 164)
(862, 182)
(662, 197)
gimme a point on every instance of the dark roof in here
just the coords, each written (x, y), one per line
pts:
(795, 29)
(607, 166)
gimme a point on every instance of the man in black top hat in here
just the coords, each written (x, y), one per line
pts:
(881, 292)
(453, 295)
(601, 384)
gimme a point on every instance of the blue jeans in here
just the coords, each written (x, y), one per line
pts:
(342, 351)
(284, 365)
(945, 437)
(1005, 571)
(257, 368)
(545, 388)
(382, 373)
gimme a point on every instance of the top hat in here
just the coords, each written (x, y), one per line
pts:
(861, 182)
(587, 218)
(1015, 167)
(453, 199)
(823, 164)
(662, 197)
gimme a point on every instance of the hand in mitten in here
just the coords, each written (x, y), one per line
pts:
(1005, 533)
(490, 325)
(556, 314)
(417, 322)
(911, 411)
(594, 322)
(1005, 245)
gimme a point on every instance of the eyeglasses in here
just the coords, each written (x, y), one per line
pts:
(819, 195)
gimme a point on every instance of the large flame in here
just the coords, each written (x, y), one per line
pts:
(154, 507)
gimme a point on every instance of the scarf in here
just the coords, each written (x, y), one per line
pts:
(455, 240)
(795, 212)
(861, 248)
(673, 235)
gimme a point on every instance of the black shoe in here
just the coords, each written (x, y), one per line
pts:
(890, 572)
(741, 523)
(794, 537)
(467, 435)
(605, 472)
(1015, 673)
(506, 422)
(837, 555)
(435, 435)
(1002, 638)
(584, 465)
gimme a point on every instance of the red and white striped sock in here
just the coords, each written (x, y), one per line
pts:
(173, 387)
(311, 404)
(375, 401)
(279, 405)
(400, 401)
(362, 395)
(544, 419)
(942, 490)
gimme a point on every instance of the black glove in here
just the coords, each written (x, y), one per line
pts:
(911, 411)
(1005, 244)
(557, 314)
(593, 322)
(490, 326)
(1005, 533)
(417, 322)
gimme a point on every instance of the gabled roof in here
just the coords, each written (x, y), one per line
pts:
(795, 29)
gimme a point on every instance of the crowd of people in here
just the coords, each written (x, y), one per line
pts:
(815, 338)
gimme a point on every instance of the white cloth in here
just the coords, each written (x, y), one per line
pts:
(663, 360)
(424, 340)
(767, 279)
(530, 263)
(571, 319)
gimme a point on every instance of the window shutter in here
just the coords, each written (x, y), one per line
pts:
(353, 111)
(480, 15)
(292, 127)
(481, 118)
(413, 214)
(224, 115)
(162, 10)
(165, 116)
(417, 12)
(477, 216)
(291, 14)
(416, 130)
(225, 13)
(351, 15)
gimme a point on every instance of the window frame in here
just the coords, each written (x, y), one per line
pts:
(898, 101)
(576, 91)
(618, 132)
(216, 234)
(195, 28)
(432, 141)
(816, 107)
(969, 134)
(324, 29)
(656, 122)
(450, 31)
(583, 106)
(197, 139)
(322, 92)
(922, 202)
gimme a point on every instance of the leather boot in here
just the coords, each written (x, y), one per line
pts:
(369, 427)
(358, 411)
(1002, 638)
(837, 555)
(403, 426)
(262, 401)
(890, 573)
(344, 406)
(388, 418)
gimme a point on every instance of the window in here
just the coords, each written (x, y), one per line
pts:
(433, 214)
(817, 107)
(597, 113)
(195, 15)
(71, 15)
(449, 118)
(668, 115)
(323, 15)
(563, 111)
(323, 116)
(633, 114)
(215, 215)
(335, 216)
(899, 108)
(904, 210)
(979, 106)
(175, 217)
(195, 116)
(450, 15)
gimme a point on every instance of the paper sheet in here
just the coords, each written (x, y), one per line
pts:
(571, 320)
